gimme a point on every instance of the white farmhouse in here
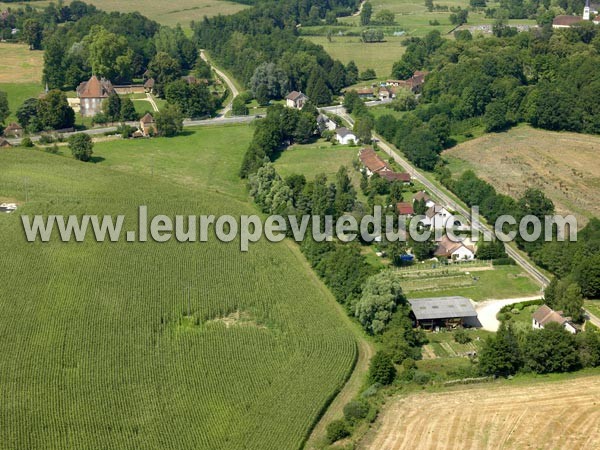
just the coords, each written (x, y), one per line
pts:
(544, 315)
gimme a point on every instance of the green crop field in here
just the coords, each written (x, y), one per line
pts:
(157, 345)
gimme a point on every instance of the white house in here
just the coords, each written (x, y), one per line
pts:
(344, 136)
(544, 315)
(456, 251)
(296, 100)
(438, 217)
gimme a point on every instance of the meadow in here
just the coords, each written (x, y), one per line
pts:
(20, 74)
(563, 165)
(167, 13)
(158, 345)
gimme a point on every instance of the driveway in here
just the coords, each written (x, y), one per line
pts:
(487, 310)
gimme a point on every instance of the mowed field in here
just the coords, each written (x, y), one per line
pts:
(20, 74)
(165, 12)
(563, 165)
(540, 415)
(157, 345)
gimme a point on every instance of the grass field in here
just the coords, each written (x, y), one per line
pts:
(167, 13)
(379, 56)
(543, 414)
(477, 281)
(20, 74)
(148, 345)
(563, 165)
(19, 64)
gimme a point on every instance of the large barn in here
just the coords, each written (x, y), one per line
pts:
(448, 312)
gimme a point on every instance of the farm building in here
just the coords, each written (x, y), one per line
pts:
(92, 93)
(296, 100)
(372, 162)
(4, 143)
(386, 94)
(449, 312)
(148, 125)
(149, 85)
(13, 130)
(344, 136)
(545, 315)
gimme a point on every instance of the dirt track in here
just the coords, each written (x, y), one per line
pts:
(542, 415)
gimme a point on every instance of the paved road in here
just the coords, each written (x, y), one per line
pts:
(228, 81)
(592, 318)
(533, 271)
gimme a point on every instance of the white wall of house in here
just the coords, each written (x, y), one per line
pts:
(463, 254)
(346, 140)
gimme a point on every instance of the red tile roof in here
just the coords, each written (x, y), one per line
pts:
(395, 176)
(372, 161)
(405, 209)
(95, 88)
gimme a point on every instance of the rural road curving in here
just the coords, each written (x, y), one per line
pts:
(488, 310)
(228, 81)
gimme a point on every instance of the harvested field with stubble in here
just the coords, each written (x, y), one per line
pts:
(541, 415)
(19, 64)
(563, 165)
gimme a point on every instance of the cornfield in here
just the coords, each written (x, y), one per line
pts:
(155, 345)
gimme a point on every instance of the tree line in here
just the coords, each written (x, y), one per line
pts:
(261, 47)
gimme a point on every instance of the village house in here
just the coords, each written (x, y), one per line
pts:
(402, 177)
(91, 94)
(545, 315)
(371, 162)
(366, 93)
(414, 83)
(422, 195)
(385, 94)
(345, 137)
(149, 85)
(4, 143)
(296, 100)
(438, 217)
(148, 125)
(13, 130)
(404, 209)
(455, 251)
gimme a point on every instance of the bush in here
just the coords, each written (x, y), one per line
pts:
(382, 369)
(421, 378)
(46, 139)
(81, 146)
(503, 262)
(27, 142)
(355, 411)
(461, 337)
(371, 390)
(337, 430)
